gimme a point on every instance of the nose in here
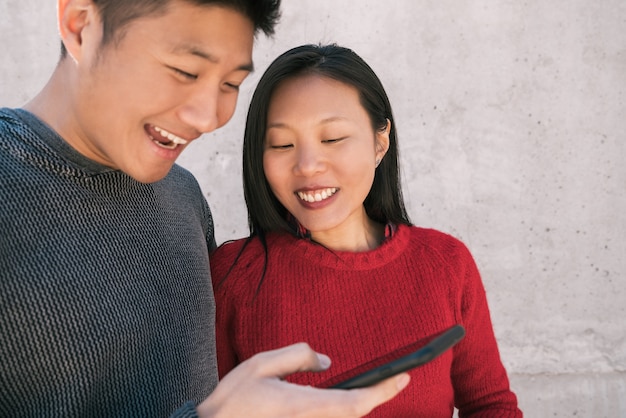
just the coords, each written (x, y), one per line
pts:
(206, 110)
(310, 160)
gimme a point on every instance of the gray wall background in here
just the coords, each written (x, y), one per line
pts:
(512, 134)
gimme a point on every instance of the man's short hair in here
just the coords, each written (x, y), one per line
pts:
(117, 14)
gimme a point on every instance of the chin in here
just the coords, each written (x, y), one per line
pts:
(148, 177)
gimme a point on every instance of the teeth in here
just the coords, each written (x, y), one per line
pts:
(175, 139)
(171, 145)
(318, 195)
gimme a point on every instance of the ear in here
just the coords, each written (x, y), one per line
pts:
(75, 18)
(382, 141)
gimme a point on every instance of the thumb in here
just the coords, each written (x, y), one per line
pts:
(370, 397)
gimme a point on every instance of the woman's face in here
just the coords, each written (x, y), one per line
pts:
(320, 155)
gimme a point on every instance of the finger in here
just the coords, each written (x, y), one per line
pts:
(287, 360)
(371, 397)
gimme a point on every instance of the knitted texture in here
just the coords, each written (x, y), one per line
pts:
(364, 308)
(106, 307)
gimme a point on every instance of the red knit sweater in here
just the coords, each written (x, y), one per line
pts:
(357, 307)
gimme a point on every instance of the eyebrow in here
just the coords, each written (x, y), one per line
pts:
(333, 119)
(193, 50)
(322, 122)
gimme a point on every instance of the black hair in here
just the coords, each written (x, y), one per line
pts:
(384, 202)
(117, 14)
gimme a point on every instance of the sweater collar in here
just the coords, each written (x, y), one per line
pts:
(307, 251)
(64, 150)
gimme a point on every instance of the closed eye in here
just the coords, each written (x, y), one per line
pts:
(184, 74)
(279, 147)
(333, 141)
(233, 86)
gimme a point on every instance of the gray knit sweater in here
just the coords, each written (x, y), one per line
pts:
(106, 307)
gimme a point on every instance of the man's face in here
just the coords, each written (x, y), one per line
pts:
(138, 102)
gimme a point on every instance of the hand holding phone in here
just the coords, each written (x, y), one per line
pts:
(431, 350)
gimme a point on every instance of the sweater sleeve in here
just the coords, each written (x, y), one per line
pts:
(481, 385)
(223, 279)
(188, 410)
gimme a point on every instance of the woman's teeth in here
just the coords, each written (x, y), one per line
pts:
(174, 140)
(318, 195)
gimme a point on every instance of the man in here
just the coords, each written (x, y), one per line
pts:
(106, 306)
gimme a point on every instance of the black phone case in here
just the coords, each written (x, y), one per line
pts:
(434, 348)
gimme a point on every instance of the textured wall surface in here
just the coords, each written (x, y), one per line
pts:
(511, 116)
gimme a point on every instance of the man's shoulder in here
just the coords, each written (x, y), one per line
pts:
(16, 145)
(179, 180)
(7, 114)
(10, 124)
(181, 173)
(21, 134)
(14, 119)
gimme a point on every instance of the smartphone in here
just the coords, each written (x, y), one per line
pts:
(432, 349)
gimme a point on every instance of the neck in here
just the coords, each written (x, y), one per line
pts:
(364, 236)
(52, 103)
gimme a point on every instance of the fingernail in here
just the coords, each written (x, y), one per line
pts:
(324, 360)
(402, 381)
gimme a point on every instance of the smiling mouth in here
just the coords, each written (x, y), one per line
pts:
(166, 139)
(317, 195)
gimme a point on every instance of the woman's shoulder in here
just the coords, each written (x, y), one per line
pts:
(227, 257)
(247, 251)
(234, 249)
(242, 260)
(430, 239)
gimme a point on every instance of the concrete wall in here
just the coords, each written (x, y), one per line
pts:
(511, 117)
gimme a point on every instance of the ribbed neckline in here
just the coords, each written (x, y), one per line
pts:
(53, 140)
(311, 252)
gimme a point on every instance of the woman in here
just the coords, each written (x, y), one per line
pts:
(332, 258)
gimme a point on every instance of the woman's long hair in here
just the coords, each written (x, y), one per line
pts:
(384, 203)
